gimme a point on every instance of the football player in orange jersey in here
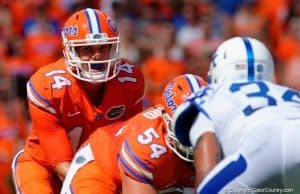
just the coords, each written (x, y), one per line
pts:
(139, 155)
(91, 86)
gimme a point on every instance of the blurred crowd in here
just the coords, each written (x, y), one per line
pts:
(163, 37)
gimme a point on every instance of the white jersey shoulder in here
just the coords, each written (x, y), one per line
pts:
(230, 108)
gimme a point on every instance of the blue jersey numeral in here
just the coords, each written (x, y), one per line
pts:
(291, 96)
(288, 96)
(261, 93)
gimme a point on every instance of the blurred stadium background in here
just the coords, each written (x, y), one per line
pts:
(163, 37)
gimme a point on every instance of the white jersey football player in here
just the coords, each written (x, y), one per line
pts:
(245, 129)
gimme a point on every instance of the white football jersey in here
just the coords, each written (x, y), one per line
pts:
(232, 110)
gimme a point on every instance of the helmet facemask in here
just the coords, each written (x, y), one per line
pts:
(93, 70)
(185, 153)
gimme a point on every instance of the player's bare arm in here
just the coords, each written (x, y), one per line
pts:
(131, 186)
(207, 154)
(61, 169)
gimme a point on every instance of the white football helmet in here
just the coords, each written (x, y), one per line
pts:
(241, 59)
(91, 27)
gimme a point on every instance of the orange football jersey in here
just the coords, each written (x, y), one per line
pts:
(62, 112)
(145, 156)
(139, 149)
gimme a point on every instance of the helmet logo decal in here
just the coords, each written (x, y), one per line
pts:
(260, 71)
(240, 66)
(70, 31)
(112, 25)
(97, 36)
(214, 56)
(260, 68)
(169, 97)
(80, 160)
(115, 112)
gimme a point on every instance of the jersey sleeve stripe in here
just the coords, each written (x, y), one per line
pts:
(132, 172)
(38, 100)
(133, 156)
(132, 164)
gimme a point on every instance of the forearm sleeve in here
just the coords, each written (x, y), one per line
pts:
(52, 136)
